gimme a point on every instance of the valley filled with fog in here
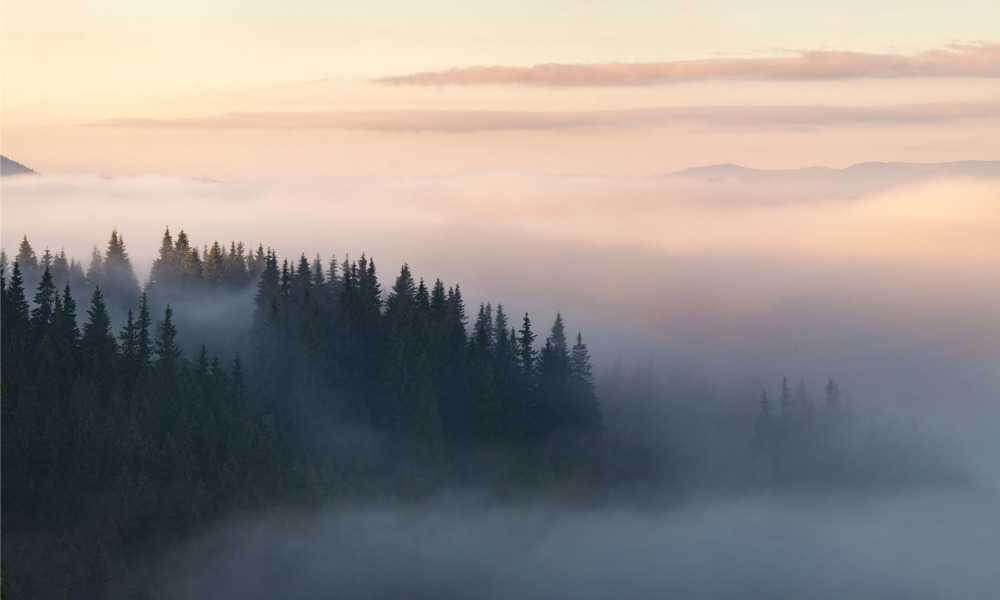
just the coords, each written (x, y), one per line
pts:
(798, 376)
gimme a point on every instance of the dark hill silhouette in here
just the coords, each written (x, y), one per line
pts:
(12, 167)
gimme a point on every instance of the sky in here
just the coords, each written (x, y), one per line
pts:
(517, 148)
(225, 90)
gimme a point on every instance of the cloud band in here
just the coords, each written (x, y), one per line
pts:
(466, 121)
(969, 60)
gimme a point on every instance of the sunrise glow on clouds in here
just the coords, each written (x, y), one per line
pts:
(977, 60)
(521, 130)
(210, 89)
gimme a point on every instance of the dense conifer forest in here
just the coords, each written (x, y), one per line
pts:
(117, 445)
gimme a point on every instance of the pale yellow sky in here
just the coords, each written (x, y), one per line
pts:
(69, 68)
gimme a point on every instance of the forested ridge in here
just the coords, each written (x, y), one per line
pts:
(119, 442)
(116, 444)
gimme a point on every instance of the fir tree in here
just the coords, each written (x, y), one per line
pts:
(95, 272)
(527, 355)
(41, 315)
(213, 271)
(165, 344)
(27, 259)
(98, 346)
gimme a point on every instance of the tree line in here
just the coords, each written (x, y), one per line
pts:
(115, 442)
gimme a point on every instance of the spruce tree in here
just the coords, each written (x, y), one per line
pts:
(95, 272)
(16, 306)
(27, 259)
(98, 346)
(582, 379)
(165, 344)
(527, 355)
(41, 315)
(165, 267)
(144, 345)
(213, 271)
(60, 268)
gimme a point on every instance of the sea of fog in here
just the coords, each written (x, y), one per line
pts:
(894, 291)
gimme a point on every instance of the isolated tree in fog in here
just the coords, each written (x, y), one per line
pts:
(117, 278)
(831, 405)
(764, 426)
(96, 269)
(27, 259)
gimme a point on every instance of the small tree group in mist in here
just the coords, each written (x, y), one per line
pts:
(179, 267)
(796, 439)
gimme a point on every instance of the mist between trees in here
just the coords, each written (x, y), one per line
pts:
(134, 418)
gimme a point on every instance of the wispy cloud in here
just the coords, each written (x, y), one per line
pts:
(957, 60)
(465, 121)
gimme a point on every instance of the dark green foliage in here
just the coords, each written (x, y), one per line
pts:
(41, 315)
(116, 442)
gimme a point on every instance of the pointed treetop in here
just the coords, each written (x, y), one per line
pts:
(558, 335)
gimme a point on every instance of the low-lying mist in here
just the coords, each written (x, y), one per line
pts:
(920, 545)
(891, 287)
(695, 294)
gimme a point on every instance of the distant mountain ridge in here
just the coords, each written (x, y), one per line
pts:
(974, 168)
(12, 167)
(850, 182)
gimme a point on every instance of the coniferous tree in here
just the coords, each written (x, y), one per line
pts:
(527, 355)
(69, 330)
(144, 345)
(98, 347)
(96, 269)
(165, 344)
(513, 412)
(128, 344)
(77, 278)
(60, 268)
(28, 261)
(832, 411)
(15, 332)
(41, 315)
(763, 437)
(785, 400)
(582, 380)
(213, 271)
(63, 343)
(267, 287)
(46, 261)
(403, 292)
(165, 267)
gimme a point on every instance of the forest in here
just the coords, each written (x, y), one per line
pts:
(118, 444)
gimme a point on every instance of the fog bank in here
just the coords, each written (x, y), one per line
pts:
(885, 276)
(924, 545)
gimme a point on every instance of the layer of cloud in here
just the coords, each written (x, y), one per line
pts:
(893, 291)
(466, 121)
(928, 545)
(970, 60)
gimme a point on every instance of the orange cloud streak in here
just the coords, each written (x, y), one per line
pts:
(970, 60)
(463, 121)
